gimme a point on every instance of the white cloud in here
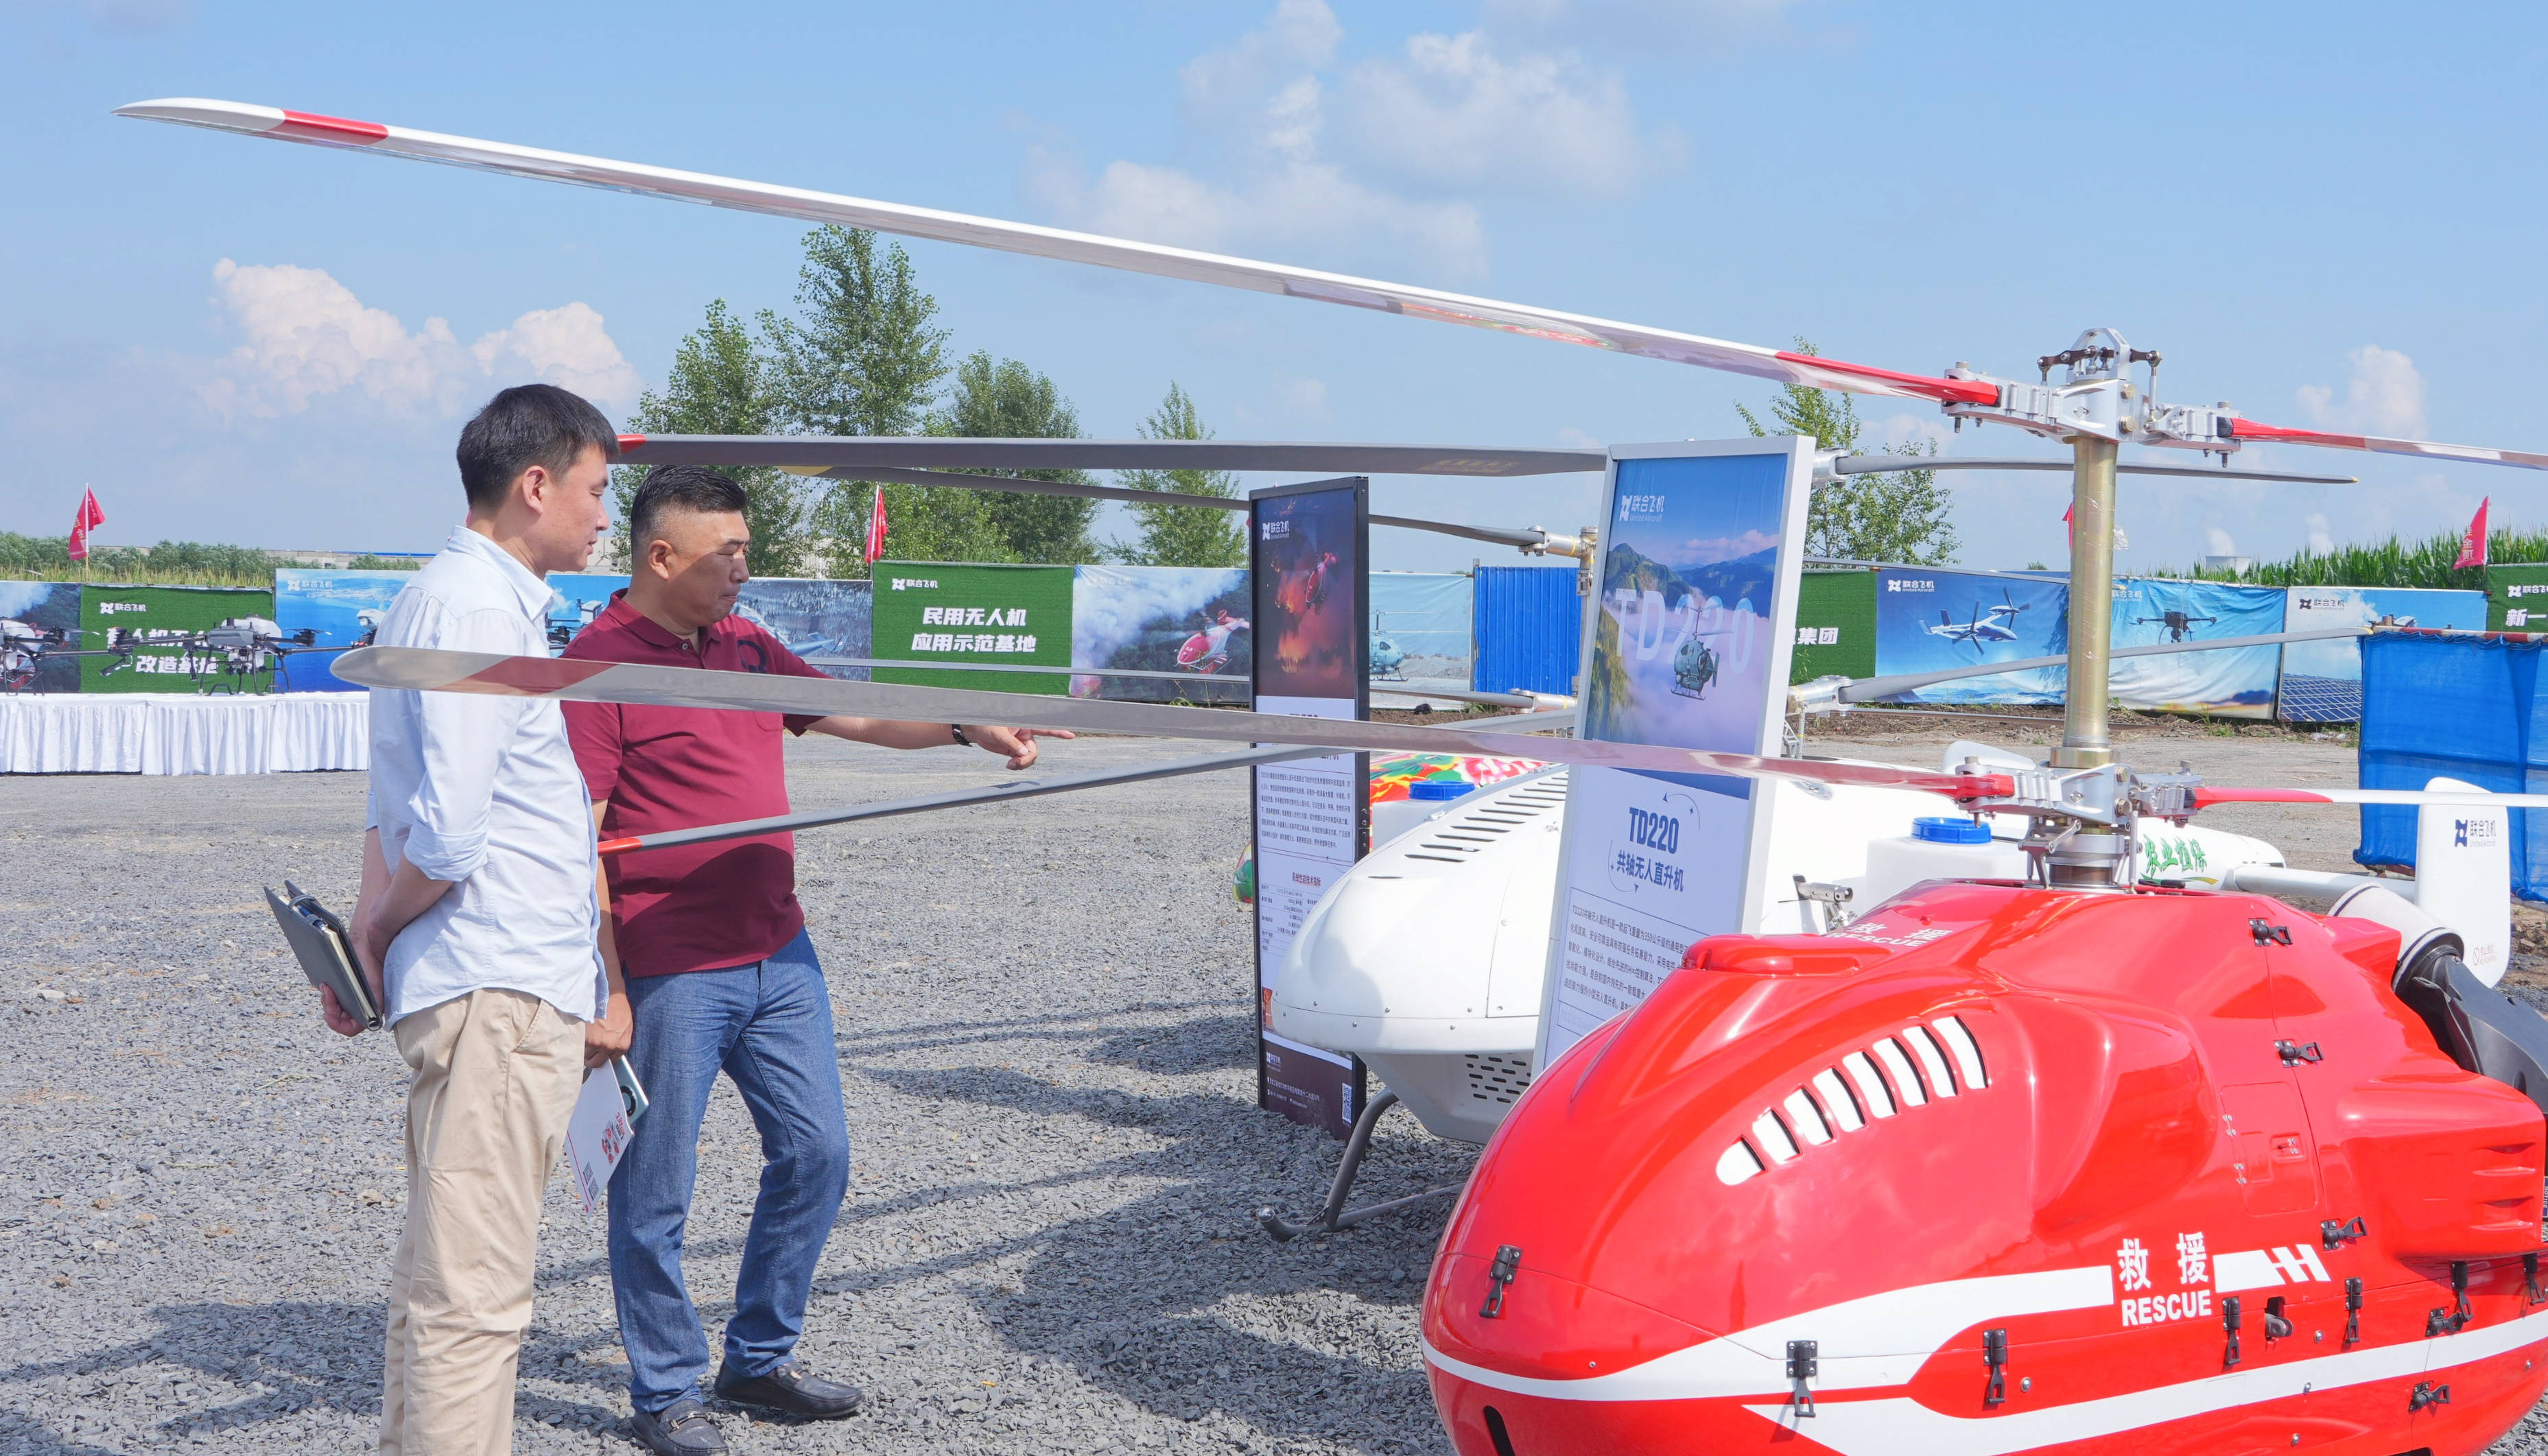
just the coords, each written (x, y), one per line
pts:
(567, 347)
(2322, 533)
(1568, 437)
(1295, 204)
(1910, 431)
(2217, 541)
(1454, 112)
(308, 337)
(1712, 549)
(1297, 153)
(1306, 397)
(2384, 397)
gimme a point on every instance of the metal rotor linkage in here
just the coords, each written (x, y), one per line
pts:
(2083, 831)
(2096, 399)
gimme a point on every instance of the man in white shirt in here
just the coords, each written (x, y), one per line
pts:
(478, 919)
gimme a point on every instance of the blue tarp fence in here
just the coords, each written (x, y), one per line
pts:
(2463, 704)
(1530, 623)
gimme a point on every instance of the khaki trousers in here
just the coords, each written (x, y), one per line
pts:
(497, 1073)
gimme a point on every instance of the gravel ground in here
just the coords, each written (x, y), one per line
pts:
(1043, 1011)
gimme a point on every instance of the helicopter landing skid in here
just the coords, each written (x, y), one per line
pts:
(1335, 1217)
(1695, 695)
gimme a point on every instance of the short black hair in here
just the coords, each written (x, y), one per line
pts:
(522, 427)
(679, 487)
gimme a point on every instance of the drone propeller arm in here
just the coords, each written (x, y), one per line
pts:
(1780, 365)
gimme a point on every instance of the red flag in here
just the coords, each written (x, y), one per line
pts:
(90, 517)
(2473, 549)
(875, 528)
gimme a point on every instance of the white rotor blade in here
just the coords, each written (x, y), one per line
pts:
(2208, 795)
(2260, 434)
(429, 670)
(843, 456)
(1054, 242)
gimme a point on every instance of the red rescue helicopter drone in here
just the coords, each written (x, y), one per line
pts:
(2066, 1164)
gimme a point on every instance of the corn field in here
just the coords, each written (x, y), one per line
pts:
(2390, 563)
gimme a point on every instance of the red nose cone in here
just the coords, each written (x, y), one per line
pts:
(1997, 1169)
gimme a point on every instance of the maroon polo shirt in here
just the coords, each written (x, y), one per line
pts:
(692, 907)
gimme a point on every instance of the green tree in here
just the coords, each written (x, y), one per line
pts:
(1183, 535)
(1901, 515)
(723, 382)
(1004, 398)
(862, 357)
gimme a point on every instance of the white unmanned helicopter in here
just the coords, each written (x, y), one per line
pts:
(1864, 1294)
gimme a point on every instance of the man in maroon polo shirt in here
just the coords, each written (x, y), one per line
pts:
(721, 974)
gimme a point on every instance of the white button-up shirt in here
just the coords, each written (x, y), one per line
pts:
(484, 791)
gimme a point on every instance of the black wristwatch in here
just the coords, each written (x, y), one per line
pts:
(959, 730)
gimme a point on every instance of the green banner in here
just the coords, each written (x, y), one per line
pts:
(2516, 599)
(978, 617)
(159, 623)
(1835, 626)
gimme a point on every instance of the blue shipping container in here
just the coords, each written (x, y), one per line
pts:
(1529, 626)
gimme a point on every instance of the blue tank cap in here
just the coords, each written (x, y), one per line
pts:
(1945, 831)
(1438, 788)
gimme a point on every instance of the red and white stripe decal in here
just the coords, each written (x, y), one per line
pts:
(1866, 379)
(2208, 795)
(2274, 434)
(307, 126)
(1053, 242)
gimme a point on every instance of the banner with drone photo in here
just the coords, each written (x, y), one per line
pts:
(2322, 681)
(158, 633)
(1699, 558)
(2238, 682)
(39, 625)
(1167, 633)
(1930, 619)
(1421, 631)
(340, 611)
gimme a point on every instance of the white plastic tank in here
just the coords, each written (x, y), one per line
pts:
(1945, 847)
(1425, 799)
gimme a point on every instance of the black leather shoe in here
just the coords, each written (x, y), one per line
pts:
(788, 1387)
(682, 1428)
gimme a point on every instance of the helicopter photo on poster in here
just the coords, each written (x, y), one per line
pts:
(1700, 558)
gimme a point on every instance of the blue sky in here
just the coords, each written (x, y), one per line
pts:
(2325, 213)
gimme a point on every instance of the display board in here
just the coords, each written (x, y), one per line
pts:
(2322, 681)
(978, 615)
(2516, 597)
(156, 620)
(814, 618)
(1190, 619)
(1932, 618)
(35, 616)
(2237, 682)
(1420, 627)
(1700, 553)
(1835, 626)
(339, 608)
(1307, 553)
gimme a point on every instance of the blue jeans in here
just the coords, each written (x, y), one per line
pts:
(769, 1026)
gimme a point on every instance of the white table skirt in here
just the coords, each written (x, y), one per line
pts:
(183, 733)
